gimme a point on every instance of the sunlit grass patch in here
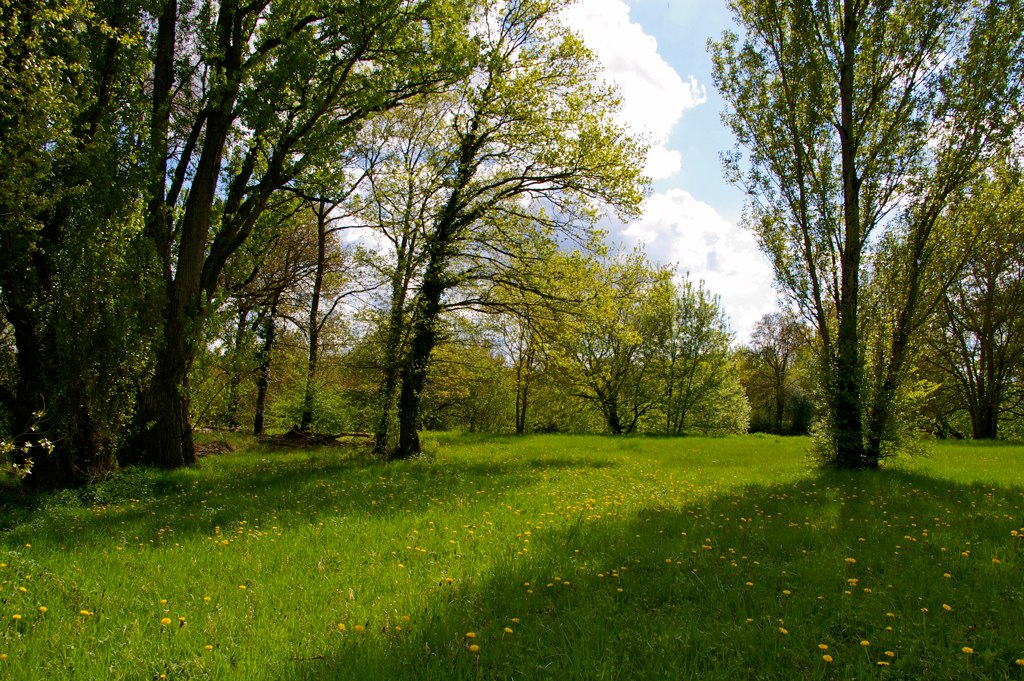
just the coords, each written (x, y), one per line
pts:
(538, 557)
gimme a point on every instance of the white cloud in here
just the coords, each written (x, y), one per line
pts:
(678, 228)
(654, 95)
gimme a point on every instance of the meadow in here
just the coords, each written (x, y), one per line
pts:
(544, 557)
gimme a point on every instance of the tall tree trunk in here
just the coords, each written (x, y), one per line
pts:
(428, 303)
(424, 339)
(780, 396)
(846, 387)
(263, 370)
(163, 430)
(314, 319)
(235, 379)
(522, 389)
(393, 347)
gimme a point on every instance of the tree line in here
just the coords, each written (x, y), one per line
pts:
(383, 214)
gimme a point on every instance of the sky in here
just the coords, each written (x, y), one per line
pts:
(656, 52)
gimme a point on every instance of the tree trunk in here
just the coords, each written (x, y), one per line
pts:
(392, 354)
(314, 319)
(414, 369)
(263, 372)
(235, 380)
(522, 396)
(610, 407)
(846, 387)
(163, 430)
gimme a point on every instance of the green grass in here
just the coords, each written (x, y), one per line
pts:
(566, 557)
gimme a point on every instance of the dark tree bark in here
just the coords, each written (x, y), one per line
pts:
(846, 393)
(263, 371)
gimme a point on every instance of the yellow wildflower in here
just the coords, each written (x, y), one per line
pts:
(474, 648)
(165, 621)
(967, 650)
(827, 658)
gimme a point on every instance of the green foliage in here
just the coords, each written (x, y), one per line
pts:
(838, 109)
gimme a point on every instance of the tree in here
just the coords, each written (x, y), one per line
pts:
(68, 215)
(531, 142)
(599, 347)
(862, 119)
(246, 98)
(262, 286)
(977, 338)
(774, 351)
(694, 364)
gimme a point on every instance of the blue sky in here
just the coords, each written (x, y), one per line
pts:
(656, 51)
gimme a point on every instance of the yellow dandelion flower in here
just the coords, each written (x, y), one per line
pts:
(508, 630)
(865, 643)
(15, 617)
(405, 618)
(783, 631)
(996, 561)
(749, 584)
(786, 592)
(890, 615)
(242, 587)
(851, 561)
(341, 626)
(42, 609)
(398, 629)
(890, 653)
(165, 621)
(827, 658)
(1019, 662)
(474, 648)
(360, 628)
(946, 575)
(3, 657)
(882, 663)
(163, 601)
(206, 599)
(924, 610)
(947, 608)
(515, 620)
(85, 613)
(181, 621)
(750, 620)
(967, 650)
(470, 634)
(822, 646)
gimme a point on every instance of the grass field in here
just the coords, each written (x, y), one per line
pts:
(547, 557)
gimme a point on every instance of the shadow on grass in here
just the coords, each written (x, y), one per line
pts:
(740, 585)
(262, 485)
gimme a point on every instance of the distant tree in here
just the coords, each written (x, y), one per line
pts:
(598, 347)
(772, 358)
(693, 364)
(976, 343)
